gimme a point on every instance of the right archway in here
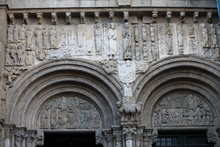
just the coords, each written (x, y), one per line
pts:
(181, 92)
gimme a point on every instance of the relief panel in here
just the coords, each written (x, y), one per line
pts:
(182, 109)
(69, 113)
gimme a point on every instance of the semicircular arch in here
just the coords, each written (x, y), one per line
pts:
(81, 78)
(180, 73)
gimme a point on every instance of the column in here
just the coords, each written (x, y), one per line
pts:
(139, 137)
(19, 137)
(129, 133)
(109, 137)
(30, 136)
(117, 134)
(150, 136)
(8, 135)
(147, 137)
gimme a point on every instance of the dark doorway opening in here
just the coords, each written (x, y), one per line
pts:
(182, 139)
(68, 139)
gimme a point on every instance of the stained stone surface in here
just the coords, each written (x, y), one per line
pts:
(108, 3)
(182, 109)
(69, 113)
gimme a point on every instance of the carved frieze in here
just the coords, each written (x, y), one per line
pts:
(182, 109)
(69, 113)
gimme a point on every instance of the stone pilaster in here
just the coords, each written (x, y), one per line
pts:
(3, 40)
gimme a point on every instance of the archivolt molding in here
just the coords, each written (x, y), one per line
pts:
(186, 73)
(79, 77)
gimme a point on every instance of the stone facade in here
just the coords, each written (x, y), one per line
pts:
(125, 69)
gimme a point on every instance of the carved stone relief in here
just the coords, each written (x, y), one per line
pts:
(182, 109)
(69, 113)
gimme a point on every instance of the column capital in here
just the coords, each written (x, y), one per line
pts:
(129, 132)
(20, 134)
(108, 134)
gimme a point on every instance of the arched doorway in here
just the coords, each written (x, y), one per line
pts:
(180, 94)
(63, 96)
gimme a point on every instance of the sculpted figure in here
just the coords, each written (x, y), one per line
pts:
(98, 41)
(29, 58)
(22, 33)
(112, 44)
(53, 38)
(169, 40)
(46, 43)
(38, 38)
(11, 33)
(29, 39)
(16, 33)
(127, 42)
(205, 36)
(214, 36)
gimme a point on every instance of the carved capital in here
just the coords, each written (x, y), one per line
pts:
(39, 140)
(154, 15)
(82, 17)
(40, 18)
(182, 16)
(129, 132)
(126, 16)
(19, 134)
(129, 112)
(30, 135)
(150, 135)
(108, 135)
(117, 133)
(111, 16)
(68, 18)
(212, 135)
(8, 128)
(11, 18)
(97, 15)
(54, 18)
(168, 16)
(209, 17)
(25, 18)
(195, 17)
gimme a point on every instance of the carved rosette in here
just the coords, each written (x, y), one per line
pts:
(182, 109)
(69, 113)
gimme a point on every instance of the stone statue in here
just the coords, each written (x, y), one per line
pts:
(127, 42)
(112, 43)
(38, 38)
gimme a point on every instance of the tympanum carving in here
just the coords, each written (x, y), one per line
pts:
(69, 113)
(183, 109)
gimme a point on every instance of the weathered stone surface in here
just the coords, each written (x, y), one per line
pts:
(69, 69)
(183, 109)
(69, 113)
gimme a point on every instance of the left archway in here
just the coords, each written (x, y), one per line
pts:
(63, 80)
